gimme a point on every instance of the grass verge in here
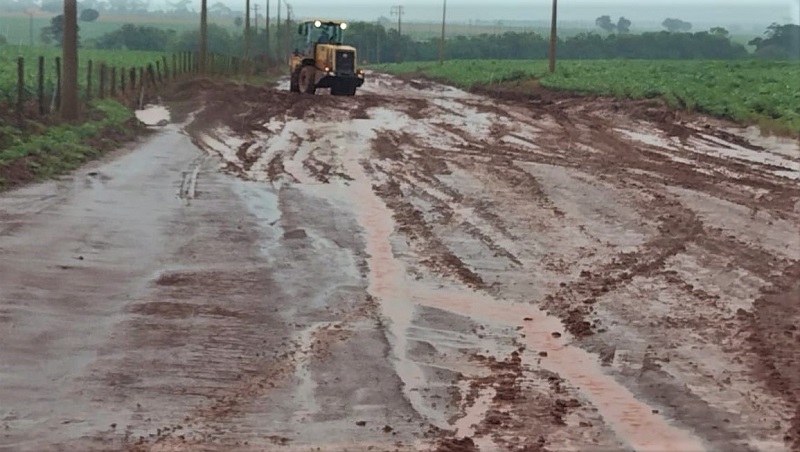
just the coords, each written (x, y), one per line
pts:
(44, 151)
(753, 91)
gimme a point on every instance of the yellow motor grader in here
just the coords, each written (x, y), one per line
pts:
(325, 62)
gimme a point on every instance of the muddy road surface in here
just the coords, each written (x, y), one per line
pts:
(415, 268)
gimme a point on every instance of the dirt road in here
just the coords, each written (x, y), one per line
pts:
(415, 268)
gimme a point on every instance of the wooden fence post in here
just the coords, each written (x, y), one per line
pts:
(133, 80)
(21, 90)
(102, 85)
(122, 87)
(174, 66)
(89, 81)
(113, 81)
(151, 74)
(57, 97)
(40, 90)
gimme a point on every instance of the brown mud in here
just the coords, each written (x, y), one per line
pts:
(420, 268)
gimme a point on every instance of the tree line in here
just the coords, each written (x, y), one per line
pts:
(377, 44)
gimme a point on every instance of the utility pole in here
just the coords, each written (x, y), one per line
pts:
(441, 44)
(255, 22)
(246, 30)
(203, 57)
(69, 80)
(267, 31)
(553, 37)
(398, 11)
(288, 42)
(278, 38)
(378, 27)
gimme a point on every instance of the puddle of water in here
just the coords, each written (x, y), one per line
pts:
(515, 140)
(786, 147)
(153, 115)
(224, 142)
(650, 139)
(790, 169)
(262, 203)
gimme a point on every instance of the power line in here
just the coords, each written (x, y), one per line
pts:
(255, 22)
(399, 11)
(441, 44)
(278, 38)
(247, 30)
(288, 43)
(203, 57)
(267, 32)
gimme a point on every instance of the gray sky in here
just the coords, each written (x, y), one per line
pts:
(718, 12)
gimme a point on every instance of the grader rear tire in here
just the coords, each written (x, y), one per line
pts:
(294, 82)
(307, 81)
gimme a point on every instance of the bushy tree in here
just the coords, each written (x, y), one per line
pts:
(132, 37)
(781, 42)
(623, 25)
(719, 31)
(89, 15)
(675, 25)
(605, 23)
(220, 41)
(55, 31)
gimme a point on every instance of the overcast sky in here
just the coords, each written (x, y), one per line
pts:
(700, 11)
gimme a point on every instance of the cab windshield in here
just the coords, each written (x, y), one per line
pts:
(324, 33)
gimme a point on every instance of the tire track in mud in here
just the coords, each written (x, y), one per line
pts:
(250, 379)
(435, 254)
(386, 276)
(774, 341)
(423, 168)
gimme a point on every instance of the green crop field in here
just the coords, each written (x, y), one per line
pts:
(750, 91)
(8, 66)
(16, 28)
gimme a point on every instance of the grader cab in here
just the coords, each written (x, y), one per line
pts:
(325, 62)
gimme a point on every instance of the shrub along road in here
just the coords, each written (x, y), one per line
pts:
(414, 268)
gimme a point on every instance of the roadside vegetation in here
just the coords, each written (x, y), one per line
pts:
(752, 91)
(39, 151)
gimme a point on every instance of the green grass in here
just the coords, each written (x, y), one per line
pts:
(50, 151)
(751, 91)
(8, 66)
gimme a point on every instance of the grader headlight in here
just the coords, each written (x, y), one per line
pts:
(343, 25)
